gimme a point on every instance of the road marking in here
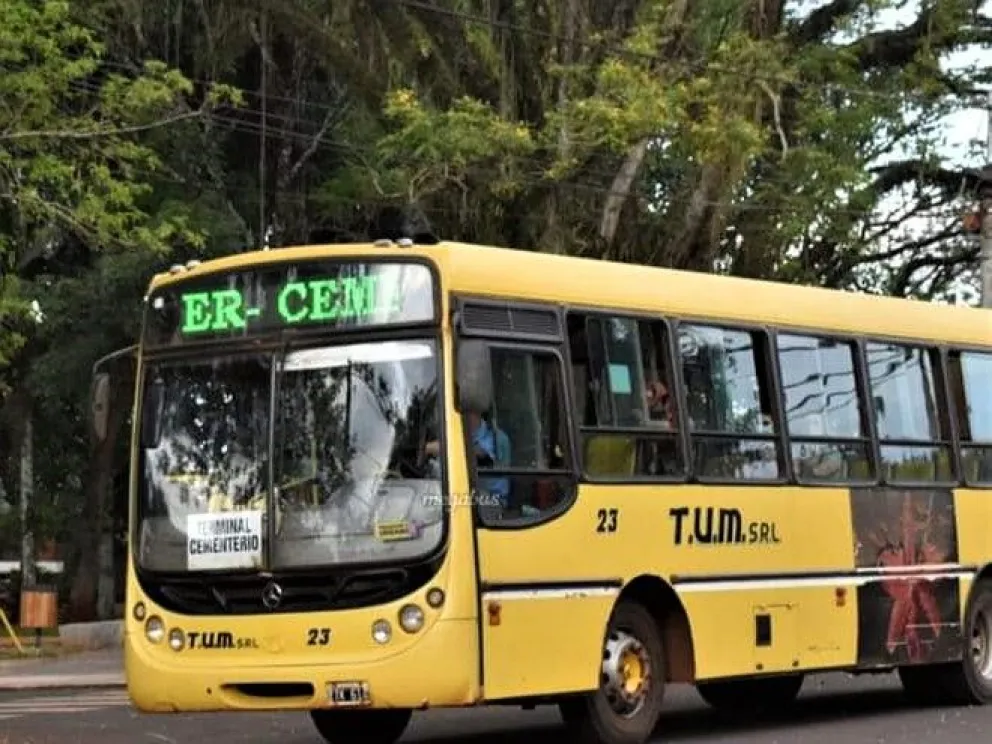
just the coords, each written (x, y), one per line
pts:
(82, 702)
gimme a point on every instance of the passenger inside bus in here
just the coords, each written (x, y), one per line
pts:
(491, 447)
(659, 404)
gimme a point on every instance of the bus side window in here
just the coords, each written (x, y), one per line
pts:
(913, 428)
(729, 397)
(824, 409)
(629, 423)
(971, 400)
(530, 423)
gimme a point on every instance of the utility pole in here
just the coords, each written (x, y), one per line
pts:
(978, 219)
(985, 210)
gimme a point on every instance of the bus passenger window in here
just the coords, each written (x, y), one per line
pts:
(971, 399)
(729, 400)
(913, 427)
(823, 409)
(629, 418)
(521, 446)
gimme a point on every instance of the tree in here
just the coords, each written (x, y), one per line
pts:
(70, 166)
(74, 179)
(759, 138)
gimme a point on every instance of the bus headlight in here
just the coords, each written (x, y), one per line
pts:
(139, 611)
(155, 629)
(381, 631)
(177, 639)
(411, 618)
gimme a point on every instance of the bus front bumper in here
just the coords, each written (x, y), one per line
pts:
(440, 670)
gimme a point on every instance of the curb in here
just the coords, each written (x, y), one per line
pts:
(58, 682)
(93, 636)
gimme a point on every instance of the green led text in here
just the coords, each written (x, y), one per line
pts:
(327, 299)
(219, 310)
(296, 303)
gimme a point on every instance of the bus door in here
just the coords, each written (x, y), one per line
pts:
(534, 614)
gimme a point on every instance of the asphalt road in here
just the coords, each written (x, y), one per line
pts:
(833, 709)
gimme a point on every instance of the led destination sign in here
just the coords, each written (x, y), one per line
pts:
(314, 301)
(291, 296)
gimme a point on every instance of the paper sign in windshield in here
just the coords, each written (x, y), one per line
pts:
(394, 530)
(217, 542)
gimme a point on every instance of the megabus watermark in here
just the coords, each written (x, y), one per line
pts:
(472, 498)
(710, 525)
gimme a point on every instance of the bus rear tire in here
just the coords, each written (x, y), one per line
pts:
(627, 706)
(969, 681)
(762, 695)
(383, 726)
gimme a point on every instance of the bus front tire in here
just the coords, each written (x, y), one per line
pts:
(626, 708)
(969, 681)
(383, 726)
(762, 695)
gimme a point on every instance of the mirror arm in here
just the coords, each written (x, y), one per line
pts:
(114, 356)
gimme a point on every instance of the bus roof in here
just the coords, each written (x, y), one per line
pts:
(544, 277)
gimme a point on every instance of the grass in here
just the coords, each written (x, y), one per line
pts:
(9, 653)
(50, 645)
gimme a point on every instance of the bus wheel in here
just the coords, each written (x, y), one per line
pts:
(627, 705)
(762, 695)
(966, 682)
(384, 726)
(974, 685)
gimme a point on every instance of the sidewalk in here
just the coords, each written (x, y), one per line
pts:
(88, 669)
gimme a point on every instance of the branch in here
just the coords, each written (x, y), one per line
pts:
(777, 116)
(902, 279)
(916, 245)
(97, 133)
(822, 21)
(311, 148)
(620, 191)
(896, 174)
(898, 48)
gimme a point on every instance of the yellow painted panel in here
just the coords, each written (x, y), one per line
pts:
(809, 630)
(822, 537)
(778, 651)
(829, 635)
(974, 512)
(544, 644)
(644, 542)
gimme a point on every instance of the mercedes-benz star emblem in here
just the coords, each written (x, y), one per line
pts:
(271, 595)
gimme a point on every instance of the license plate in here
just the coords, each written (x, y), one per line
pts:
(347, 694)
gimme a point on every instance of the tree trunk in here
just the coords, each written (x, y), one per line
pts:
(93, 524)
(29, 576)
(105, 586)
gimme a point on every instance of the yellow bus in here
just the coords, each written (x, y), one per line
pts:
(374, 479)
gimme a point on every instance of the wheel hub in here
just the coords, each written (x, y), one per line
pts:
(981, 645)
(626, 673)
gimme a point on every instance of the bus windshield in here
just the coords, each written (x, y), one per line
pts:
(345, 443)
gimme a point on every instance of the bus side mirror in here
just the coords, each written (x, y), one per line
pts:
(106, 371)
(475, 376)
(100, 405)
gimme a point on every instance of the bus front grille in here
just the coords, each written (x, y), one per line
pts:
(243, 595)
